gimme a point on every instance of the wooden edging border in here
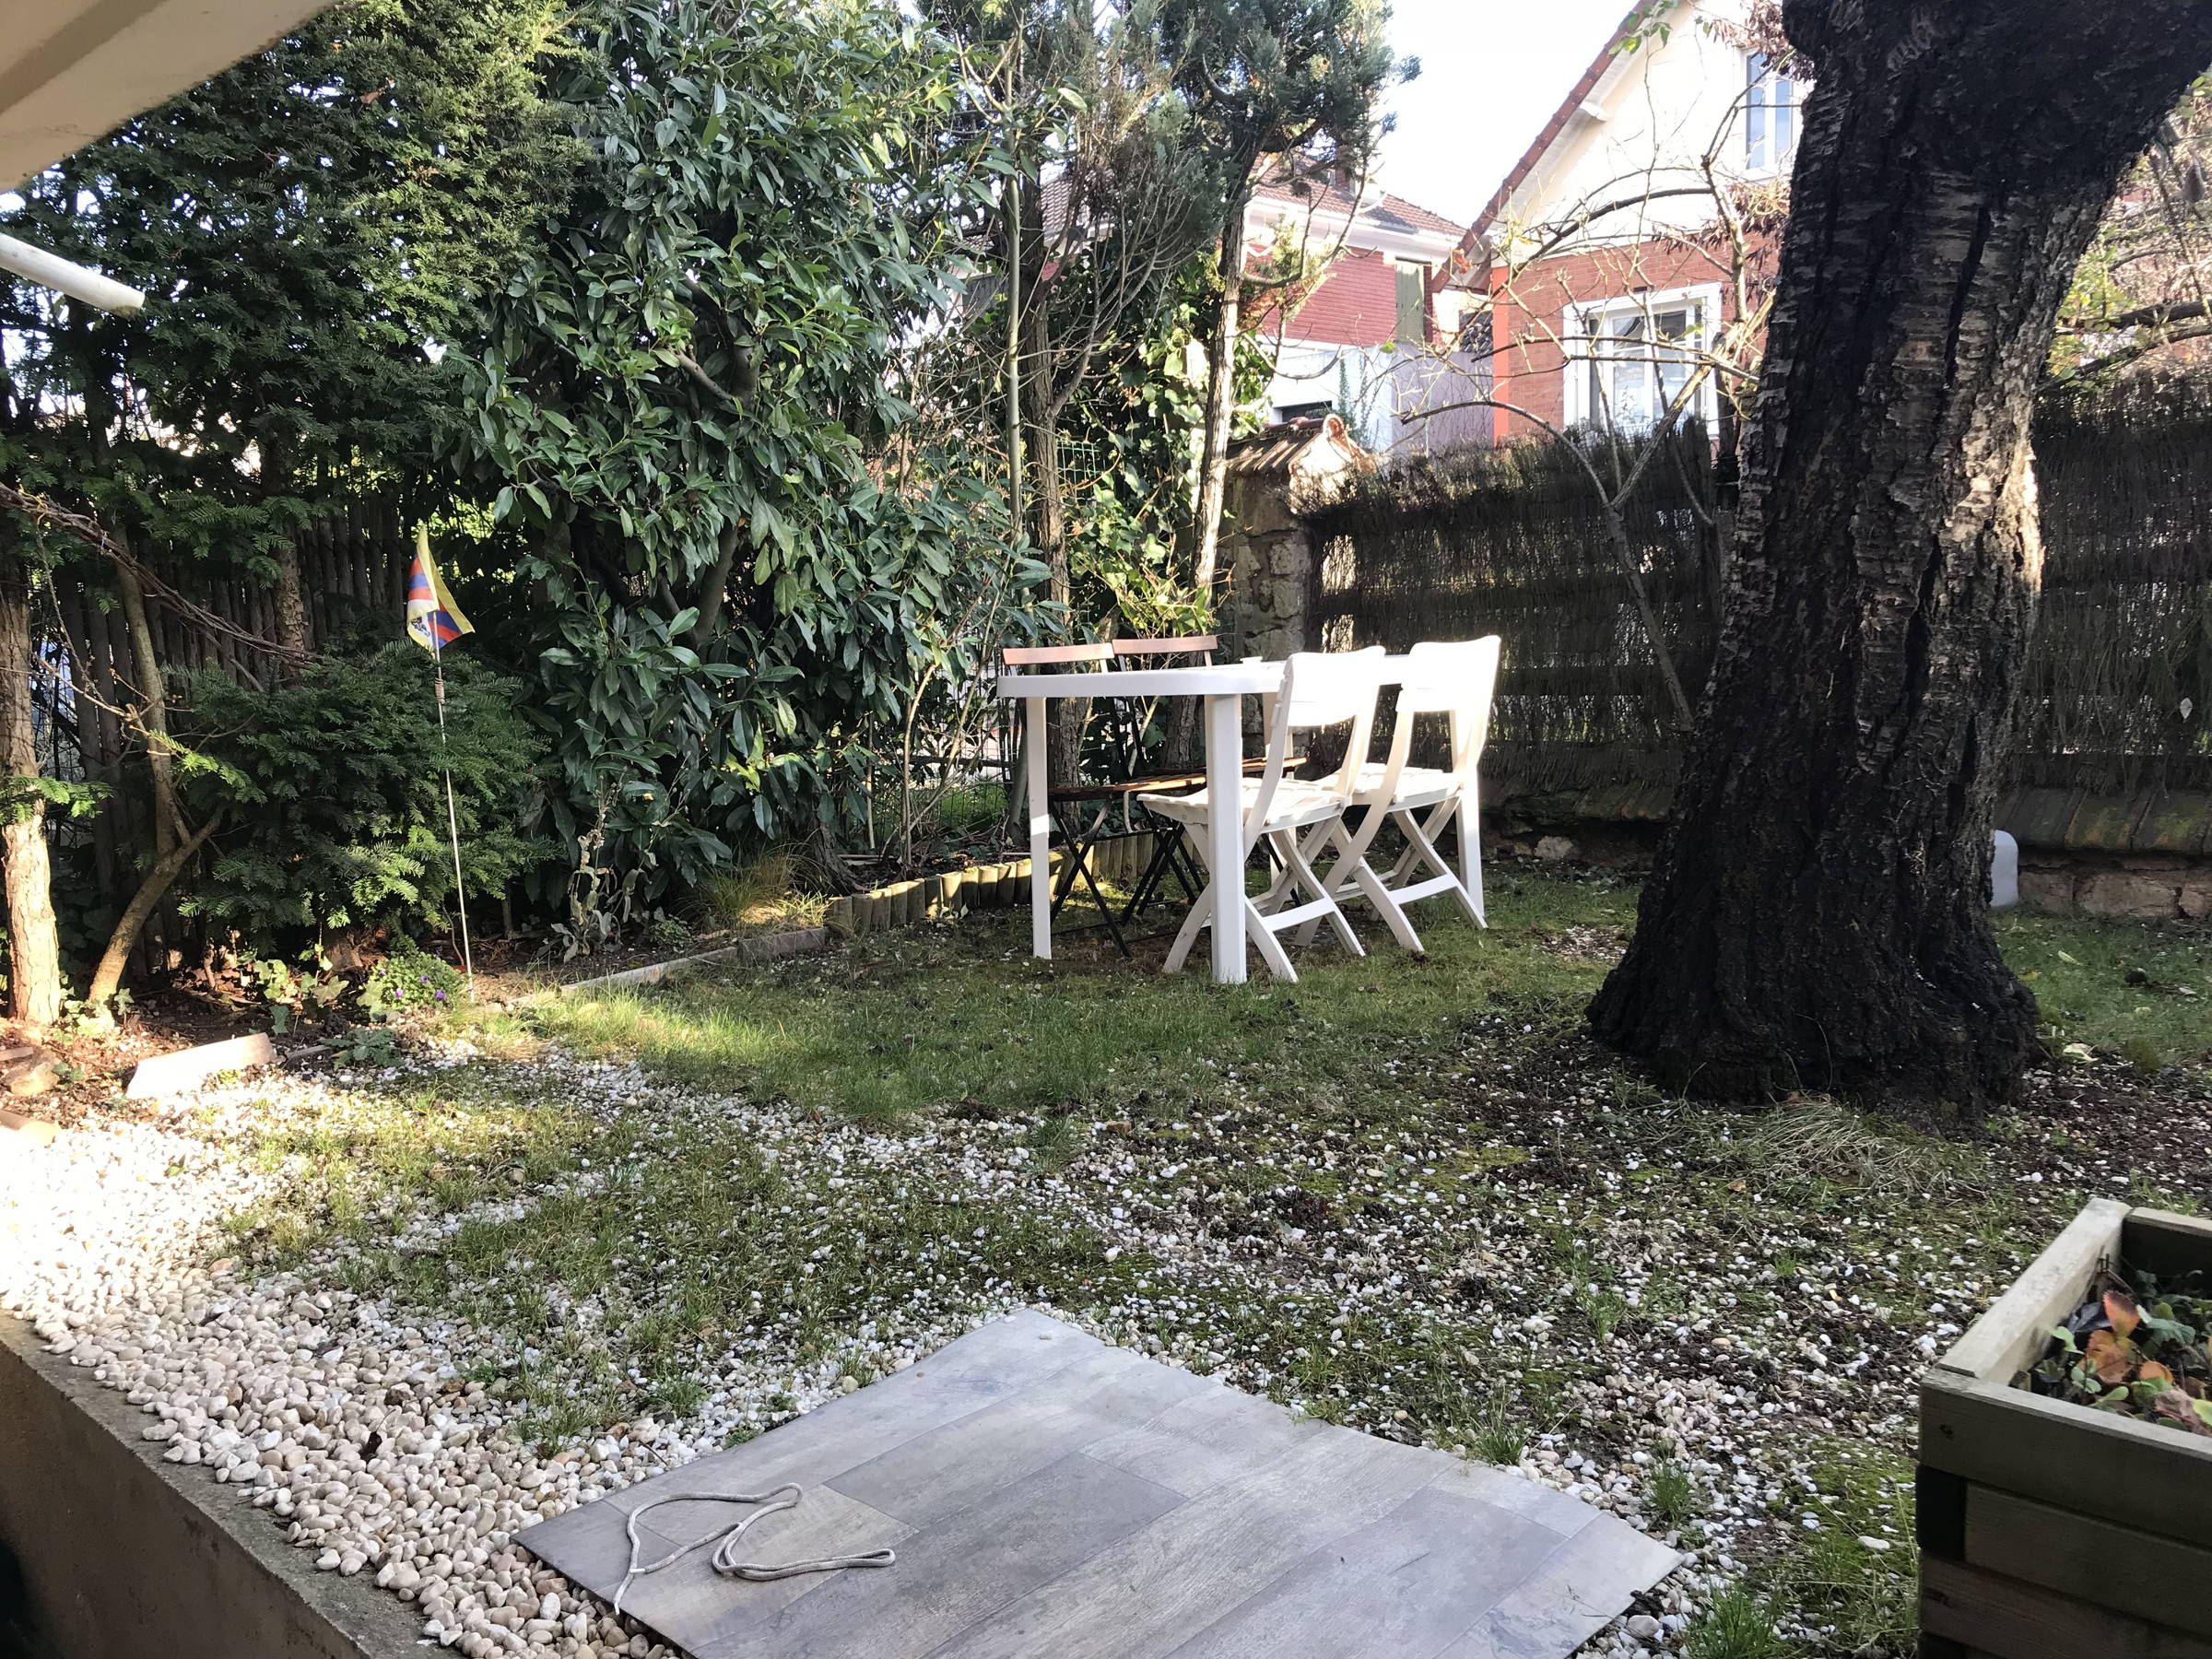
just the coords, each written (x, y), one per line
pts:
(942, 897)
(952, 893)
(767, 947)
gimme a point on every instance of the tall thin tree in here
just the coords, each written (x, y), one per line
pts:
(1261, 79)
(1818, 915)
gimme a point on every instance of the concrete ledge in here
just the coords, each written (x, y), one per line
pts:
(767, 947)
(107, 1552)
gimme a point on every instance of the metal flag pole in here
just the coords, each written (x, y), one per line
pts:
(452, 818)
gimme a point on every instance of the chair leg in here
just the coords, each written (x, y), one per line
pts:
(1421, 853)
(1470, 850)
(1301, 873)
(1315, 850)
(1433, 831)
(1201, 909)
(1076, 849)
(1166, 853)
(1385, 905)
(1284, 885)
(1271, 948)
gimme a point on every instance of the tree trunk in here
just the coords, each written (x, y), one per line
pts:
(153, 709)
(1221, 396)
(292, 614)
(34, 967)
(1818, 915)
(1048, 518)
(138, 912)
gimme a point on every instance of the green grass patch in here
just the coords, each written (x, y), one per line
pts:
(2143, 992)
(371, 1161)
(765, 895)
(946, 1016)
(1842, 1574)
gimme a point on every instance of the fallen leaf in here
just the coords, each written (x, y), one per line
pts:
(2120, 1307)
(2112, 1358)
(2153, 1372)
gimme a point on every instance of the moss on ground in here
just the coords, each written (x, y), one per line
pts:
(1406, 1195)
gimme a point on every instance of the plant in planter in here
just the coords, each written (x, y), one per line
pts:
(2065, 1483)
(2144, 1354)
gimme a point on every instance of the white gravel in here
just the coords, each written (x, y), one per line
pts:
(345, 1420)
(355, 1423)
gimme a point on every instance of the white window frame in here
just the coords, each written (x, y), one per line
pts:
(1577, 328)
(1773, 166)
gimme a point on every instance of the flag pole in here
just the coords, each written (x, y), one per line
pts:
(452, 818)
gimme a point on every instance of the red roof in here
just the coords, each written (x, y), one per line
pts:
(1331, 192)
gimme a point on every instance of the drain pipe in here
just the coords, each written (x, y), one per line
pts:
(50, 271)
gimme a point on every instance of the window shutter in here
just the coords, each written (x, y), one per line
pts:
(1413, 306)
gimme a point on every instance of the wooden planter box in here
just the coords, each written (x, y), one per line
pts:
(2050, 1530)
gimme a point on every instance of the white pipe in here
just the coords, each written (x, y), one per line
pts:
(73, 280)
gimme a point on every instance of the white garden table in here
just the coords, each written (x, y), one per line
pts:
(1224, 685)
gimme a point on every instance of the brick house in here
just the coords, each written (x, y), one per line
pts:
(1356, 342)
(1604, 273)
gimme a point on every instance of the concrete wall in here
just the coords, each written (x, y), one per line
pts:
(107, 1552)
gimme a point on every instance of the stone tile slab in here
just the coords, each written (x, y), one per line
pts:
(1049, 1494)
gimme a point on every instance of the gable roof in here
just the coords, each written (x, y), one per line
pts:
(1332, 192)
(1533, 157)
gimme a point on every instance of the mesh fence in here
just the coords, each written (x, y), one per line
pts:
(1514, 541)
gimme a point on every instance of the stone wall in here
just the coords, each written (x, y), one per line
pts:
(1269, 557)
(1267, 552)
(2143, 886)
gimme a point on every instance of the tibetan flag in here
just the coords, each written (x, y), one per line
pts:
(434, 621)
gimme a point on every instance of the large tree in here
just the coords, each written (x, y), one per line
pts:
(1819, 914)
(1295, 79)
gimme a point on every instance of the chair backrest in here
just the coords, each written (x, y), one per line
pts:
(1455, 678)
(1052, 656)
(1320, 689)
(1328, 687)
(1194, 646)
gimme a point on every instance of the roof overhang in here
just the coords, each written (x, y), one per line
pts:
(74, 70)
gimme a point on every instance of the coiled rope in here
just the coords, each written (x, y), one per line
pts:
(724, 1540)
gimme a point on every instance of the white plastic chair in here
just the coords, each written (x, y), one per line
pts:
(1457, 681)
(1319, 689)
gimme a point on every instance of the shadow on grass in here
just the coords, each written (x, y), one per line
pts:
(963, 1016)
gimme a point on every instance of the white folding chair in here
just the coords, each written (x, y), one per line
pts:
(1319, 689)
(1456, 680)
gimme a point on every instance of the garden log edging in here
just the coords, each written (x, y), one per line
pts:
(942, 896)
(948, 894)
(2048, 1527)
(108, 1552)
(768, 947)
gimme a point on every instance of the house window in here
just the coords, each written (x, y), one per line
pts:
(1630, 358)
(1413, 306)
(1771, 101)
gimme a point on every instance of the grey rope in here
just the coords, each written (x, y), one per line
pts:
(724, 1540)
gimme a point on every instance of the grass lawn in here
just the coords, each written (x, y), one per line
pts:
(1402, 1194)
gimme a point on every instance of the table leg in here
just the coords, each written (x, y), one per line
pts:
(1035, 739)
(1225, 833)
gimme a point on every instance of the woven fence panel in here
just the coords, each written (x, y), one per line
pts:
(1514, 541)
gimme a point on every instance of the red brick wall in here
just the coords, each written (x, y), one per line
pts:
(1529, 314)
(1355, 305)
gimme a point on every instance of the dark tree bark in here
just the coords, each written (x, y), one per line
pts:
(1819, 914)
(1220, 389)
(34, 965)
